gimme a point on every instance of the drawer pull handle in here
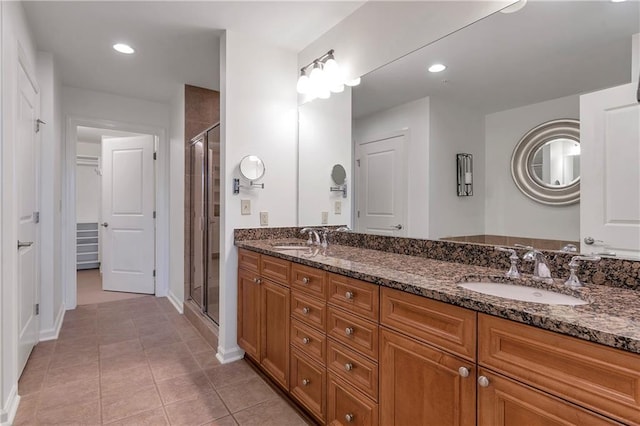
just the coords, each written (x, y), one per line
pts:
(483, 381)
(348, 295)
(257, 280)
(348, 331)
(348, 418)
(306, 340)
(306, 310)
(348, 366)
(305, 280)
(464, 371)
(305, 382)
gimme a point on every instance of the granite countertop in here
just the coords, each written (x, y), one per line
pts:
(611, 318)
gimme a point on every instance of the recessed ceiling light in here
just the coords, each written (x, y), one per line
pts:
(514, 7)
(124, 48)
(437, 68)
(617, 1)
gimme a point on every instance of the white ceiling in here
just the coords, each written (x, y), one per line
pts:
(548, 50)
(177, 42)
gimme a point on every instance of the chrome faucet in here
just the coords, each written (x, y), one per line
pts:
(541, 270)
(573, 280)
(513, 271)
(313, 235)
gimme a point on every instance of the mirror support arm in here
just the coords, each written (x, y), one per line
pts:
(252, 184)
(340, 188)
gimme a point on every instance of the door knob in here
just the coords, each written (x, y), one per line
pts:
(105, 224)
(24, 244)
(590, 240)
(398, 226)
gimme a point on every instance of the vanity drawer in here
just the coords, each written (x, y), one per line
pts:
(277, 270)
(308, 384)
(603, 379)
(347, 406)
(356, 333)
(312, 281)
(354, 368)
(356, 296)
(310, 341)
(249, 260)
(309, 310)
(442, 325)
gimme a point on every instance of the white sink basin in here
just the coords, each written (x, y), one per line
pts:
(290, 247)
(523, 293)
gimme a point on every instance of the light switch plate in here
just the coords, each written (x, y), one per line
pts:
(264, 218)
(337, 209)
(245, 207)
(325, 218)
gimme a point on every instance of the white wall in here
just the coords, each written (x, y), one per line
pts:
(15, 32)
(104, 110)
(51, 300)
(454, 129)
(176, 199)
(413, 116)
(259, 117)
(324, 140)
(507, 210)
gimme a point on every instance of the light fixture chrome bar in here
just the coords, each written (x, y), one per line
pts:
(317, 60)
(465, 174)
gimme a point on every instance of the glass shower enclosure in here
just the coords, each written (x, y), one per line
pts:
(204, 222)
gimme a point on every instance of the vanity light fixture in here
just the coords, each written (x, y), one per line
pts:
(124, 48)
(515, 7)
(465, 174)
(322, 77)
(437, 68)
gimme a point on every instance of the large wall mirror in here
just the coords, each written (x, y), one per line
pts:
(503, 76)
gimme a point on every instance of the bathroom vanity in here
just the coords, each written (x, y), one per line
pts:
(368, 337)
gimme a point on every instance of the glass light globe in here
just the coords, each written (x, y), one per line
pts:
(337, 88)
(332, 71)
(304, 85)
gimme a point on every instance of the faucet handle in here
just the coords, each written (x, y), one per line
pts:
(513, 270)
(573, 280)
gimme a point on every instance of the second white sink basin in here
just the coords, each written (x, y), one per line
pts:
(523, 293)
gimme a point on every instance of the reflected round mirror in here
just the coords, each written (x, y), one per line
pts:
(252, 167)
(545, 164)
(338, 174)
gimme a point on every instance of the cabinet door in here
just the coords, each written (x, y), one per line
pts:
(274, 355)
(249, 313)
(421, 385)
(505, 402)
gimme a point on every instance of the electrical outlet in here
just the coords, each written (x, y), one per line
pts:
(245, 207)
(325, 218)
(337, 209)
(264, 218)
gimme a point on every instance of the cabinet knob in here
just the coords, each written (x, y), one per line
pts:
(305, 280)
(348, 295)
(257, 280)
(305, 382)
(306, 310)
(483, 381)
(348, 366)
(348, 418)
(306, 340)
(348, 331)
(464, 371)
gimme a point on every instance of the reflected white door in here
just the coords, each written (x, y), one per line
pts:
(26, 172)
(610, 172)
(381, 186)
(128, 232)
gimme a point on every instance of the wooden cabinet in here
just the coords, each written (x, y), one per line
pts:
(346, 406)
(308, 384)
(249, 313)
(275, 331)
(422, 385)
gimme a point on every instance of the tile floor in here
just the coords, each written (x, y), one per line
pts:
(139, 362)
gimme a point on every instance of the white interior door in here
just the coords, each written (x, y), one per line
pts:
(26, 172)
(128, 233)
(610, 171)
(381, 186)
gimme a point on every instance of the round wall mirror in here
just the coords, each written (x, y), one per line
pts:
(252, 167)
(545, 164)
(338, 174)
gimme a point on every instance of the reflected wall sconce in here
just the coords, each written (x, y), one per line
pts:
(465, 174)
(323, 76)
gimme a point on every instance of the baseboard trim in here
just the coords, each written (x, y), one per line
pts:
(226, 356)
(54, 332)
(8, 413)
(175, 302)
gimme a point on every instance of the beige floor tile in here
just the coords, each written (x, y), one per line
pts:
(197, 411)
(270, 413)
(123, 381)
(228, 374)
(120, 348)
(71, 393)
(38, 362)
(169, 351)
(184, 387)
(130, 403)
(31, 381)
(198, 344)
(155, 417)
(225, 421)
(207, 359)
(85, 413)
(123, 362)
(69, 359)
(168, 369)
(76, 344)
(157, 318)
(159, 339)
(117, 336)
(61, 376)
(26, 414)
(242, 395)
(75, 332)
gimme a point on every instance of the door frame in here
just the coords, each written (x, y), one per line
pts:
(69, 202)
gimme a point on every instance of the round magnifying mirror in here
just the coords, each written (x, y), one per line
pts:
(338, 174)
(252, 167)
(557, 163)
